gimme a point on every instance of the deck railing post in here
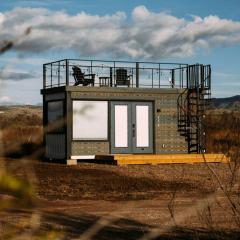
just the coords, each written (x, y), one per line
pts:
(173, 79)
(114, 73)
(137, 74)
(67, 72)
(111, 77)
(209, 76)
(44, 76)
(152, 79)
(159, 75)
(91, 67)
(51, 74)
(59, 73)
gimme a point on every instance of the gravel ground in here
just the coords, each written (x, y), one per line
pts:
(73, 199)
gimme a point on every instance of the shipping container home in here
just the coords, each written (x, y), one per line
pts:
(94, 107)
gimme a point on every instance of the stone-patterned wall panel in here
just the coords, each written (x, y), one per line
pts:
(167, 136)
(89, 148)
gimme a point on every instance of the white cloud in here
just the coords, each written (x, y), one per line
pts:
(5, 99)
(147, 35)
(8, 73)
(23, 60)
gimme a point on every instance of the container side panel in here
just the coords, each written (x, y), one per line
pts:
(55, 146)
(55, 96)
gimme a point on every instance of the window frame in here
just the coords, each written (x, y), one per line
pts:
(107, 123)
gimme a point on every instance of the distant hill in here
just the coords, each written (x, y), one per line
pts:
(230, 103)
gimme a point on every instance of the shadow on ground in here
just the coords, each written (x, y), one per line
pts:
(120, 229)
(92, 183)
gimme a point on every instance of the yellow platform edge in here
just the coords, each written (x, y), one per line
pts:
(154, 159)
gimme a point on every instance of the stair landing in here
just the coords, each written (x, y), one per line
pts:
(154, 159)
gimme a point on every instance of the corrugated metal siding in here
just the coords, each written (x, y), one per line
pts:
(55, 146)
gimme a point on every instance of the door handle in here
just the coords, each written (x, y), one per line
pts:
(133, 130)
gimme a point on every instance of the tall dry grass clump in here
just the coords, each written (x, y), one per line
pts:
(21, 129)
(222, 131)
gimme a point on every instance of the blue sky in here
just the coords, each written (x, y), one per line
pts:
(218, 44)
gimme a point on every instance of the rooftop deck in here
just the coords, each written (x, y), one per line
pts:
(99, 73)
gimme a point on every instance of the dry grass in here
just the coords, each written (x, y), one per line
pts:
(223, 130)
(21, 129)
(69, 202)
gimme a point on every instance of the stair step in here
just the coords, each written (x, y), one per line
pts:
(183, 134)
(195, 98)
(193, 145)
(196, 104)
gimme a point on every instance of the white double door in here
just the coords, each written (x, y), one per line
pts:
(131, 127)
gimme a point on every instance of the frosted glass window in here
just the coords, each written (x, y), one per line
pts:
(121, 125)
(142, 125)
(90, 120)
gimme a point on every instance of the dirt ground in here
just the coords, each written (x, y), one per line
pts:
(93, 201)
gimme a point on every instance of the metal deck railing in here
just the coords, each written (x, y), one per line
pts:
(106, 73)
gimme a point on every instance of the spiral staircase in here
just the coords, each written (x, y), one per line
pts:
(192, 103)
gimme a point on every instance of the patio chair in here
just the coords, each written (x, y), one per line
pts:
(122, 78)
(82, 78)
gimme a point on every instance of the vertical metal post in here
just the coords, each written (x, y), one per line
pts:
(152, 77)
(209, 77)
(51, 74)
(137, 74)
(114, 72)
(159, 75)
(59, 73)
(111, 77)
(44, 76)
(198, 77)
(173, 79)
(91, 68)
(182, 72)
(181, 76)
(67, 72)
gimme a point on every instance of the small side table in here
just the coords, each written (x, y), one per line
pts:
(104, 81)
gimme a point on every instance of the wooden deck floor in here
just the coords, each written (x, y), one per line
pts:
(126, 159)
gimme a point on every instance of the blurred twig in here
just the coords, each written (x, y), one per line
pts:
(8, 45)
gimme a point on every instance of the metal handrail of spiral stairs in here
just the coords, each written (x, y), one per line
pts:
(183, 110)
